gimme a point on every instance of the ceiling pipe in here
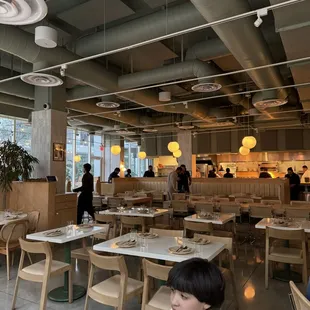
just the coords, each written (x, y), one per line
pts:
(17, 102)
(91, 119)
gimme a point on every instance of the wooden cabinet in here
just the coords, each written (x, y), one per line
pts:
(63, 216)
(65, 209)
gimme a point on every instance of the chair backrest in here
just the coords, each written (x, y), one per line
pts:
(261, 211)
(300, 203)
(114, 201)
(298, 212)
(196, 198)
(178, 196)
(11, 232)
(105, 218)
(166, 232)
(105, 234)
(300, 301)
(132, 220)
(198, 227)
(36, 247)
(244, 199)
(179, 205)
(205, 206)
(230, 207)
(271, 202)
(293, 234)
(33, 219)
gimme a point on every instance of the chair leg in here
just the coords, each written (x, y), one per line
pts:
(43, 295)
(13, 254)
(70, 287)
(305, 273)
(86, 301)
(266, 273)
(8, 265)
(29, 257)
(15, 292)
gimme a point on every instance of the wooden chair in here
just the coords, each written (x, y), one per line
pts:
(107, 219)
(113, 291)
(162, 224)
(283, 254)
(204, 206)
(161, 299)
(40, 271)
(180, 209)
(178, 196)
(9, 235)
(132, 222)
(220, 200)
(259, 211)
(33, 218)
(271, 202)
(298, 212)
(197, 227)
(114, 202)
(300, 301)
(196, 198)
(167, 232)
(231, 207)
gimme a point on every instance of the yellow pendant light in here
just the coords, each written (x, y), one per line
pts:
(177, 154)
(173, 146)
(249, 142)
(77, 158)
(244, 151)
(115, 149)
(142, 155)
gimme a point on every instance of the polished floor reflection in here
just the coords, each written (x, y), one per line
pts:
(249, 269)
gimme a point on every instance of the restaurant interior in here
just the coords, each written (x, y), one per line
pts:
(142, 138)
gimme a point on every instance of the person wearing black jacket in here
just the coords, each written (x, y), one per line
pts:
(149, 173)
(228, 174)
(294, 183)
(85, 201)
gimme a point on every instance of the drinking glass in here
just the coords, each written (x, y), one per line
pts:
(198, 248)
(143, 244)
(133, 234)
(69, 227)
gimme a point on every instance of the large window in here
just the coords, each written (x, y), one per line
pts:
(131, 160)
(82, 148)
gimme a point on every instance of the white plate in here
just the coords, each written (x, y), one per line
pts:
(126, 244)
(200, 241)
(148, 235)
(173, 250)
(55, 233)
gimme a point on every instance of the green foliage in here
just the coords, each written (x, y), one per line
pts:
(15, 163)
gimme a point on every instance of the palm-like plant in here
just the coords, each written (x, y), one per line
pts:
(15, 163)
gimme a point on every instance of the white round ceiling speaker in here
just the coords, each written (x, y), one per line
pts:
(165, 96)
(22, 12)
(45, 37)
(41, 79)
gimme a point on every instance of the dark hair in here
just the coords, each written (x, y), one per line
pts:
(128, 171)
(117, 169)
(87, 167)
(290, 168)
(199, 278)
(304, 166)
(227, 170)
(183, 166)
(150, 166)
(179, 169)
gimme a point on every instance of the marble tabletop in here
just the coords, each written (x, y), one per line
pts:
(157, 248)
(222, 219)
(68, 234)
(134, 212)
(297, 223)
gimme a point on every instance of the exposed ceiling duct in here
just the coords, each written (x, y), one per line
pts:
(236, 36)
(294, 28)
(17, 102)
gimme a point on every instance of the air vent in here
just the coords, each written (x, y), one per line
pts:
(107, 104)
(42, 79)
(216, 125)
(206, 87)
(22, 12)
(267, 99)
(186, 127)
(150, 130)
(125, 132)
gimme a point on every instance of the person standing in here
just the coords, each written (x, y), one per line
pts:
(128, 175)
(265, 174)
(85, 200)
(172, 182)
(306, 174)
(149, 173)
(228, 174)
(185, 180)
(294, 183)
(114, 174)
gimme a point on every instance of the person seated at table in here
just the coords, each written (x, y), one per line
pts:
(228, 174)
(149, 173)
(114, 174)
(128, 174)
(212, 173)
(294, 183)
(264, 174)
(85, 200)
(196, 284)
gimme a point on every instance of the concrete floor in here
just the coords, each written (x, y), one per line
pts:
(249, 277)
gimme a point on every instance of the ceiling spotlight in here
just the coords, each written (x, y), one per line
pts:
(260, 13)
(185, 105)
(63, 70)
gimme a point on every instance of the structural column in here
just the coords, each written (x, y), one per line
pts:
(49, 134)
(185, 142)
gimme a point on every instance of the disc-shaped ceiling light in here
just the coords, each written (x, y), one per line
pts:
(249, 142)
(115, 149)
(41, 79)
(22, 12)
(173, 146)
(177, 154)
(142, 155)
(244, 151)
(77, 158)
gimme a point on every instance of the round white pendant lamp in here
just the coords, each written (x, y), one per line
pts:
(142, 155)
(177, 154)
(173, 146)
(115, 149)
(249, 142)
(244, 151)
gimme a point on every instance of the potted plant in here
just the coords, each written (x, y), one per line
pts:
(15, 164)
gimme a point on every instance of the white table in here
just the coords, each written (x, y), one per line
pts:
(301, 223)
(223, 218)
(158, 249)
(3, 221)
(61, 293)
(158, 212)
(132, 200)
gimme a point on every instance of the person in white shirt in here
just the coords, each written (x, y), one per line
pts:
(172, 182)
(305, 175)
